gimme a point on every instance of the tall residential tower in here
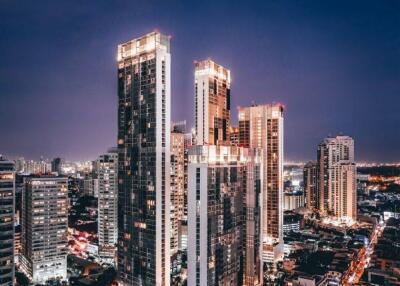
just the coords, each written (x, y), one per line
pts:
(261, 126)
(44, 228)
(177, 186)
(144, 108)
(337, 177)
(106, 170)
(224, 216)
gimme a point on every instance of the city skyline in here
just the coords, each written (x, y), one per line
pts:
(305, 58)
(226, 147)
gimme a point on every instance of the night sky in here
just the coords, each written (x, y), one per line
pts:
(335, 65)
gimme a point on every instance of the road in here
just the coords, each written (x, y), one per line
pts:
(362, 260)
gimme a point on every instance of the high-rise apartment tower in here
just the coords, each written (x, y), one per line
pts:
(337, 177)
(224, 216)
(144, 108)
(177, 187)
(261, 126)
(107, 170)
(44, 228)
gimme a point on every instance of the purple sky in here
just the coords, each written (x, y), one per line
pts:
(334, 64)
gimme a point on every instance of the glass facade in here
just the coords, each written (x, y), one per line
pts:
(212, 103)
(261, 126)
(310, 185)
(224, 216)
(144, 160)
(177, 187)
(7, 197)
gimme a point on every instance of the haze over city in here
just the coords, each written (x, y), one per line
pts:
(335, 65)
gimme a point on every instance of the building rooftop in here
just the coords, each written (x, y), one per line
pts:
(145, 44)
(211, 68)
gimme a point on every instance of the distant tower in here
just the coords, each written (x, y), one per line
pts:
(310, 179)
(337, 177)
(56, 165)
(20, 165)
(107, 171)
(44, 228)
(261, 126)
(343, 190)
(144, 111)
(212, 103)
(7, 202)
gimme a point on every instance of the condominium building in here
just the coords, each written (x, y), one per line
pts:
(293, 200)
(212, 103)
(183, 230)
(344, 190)
(224, 216)
(44, 228)
(337, 177)
(261, 126)
(144, 108)
(37, 167)
(177, 187)
(90, 184)
(107, 224)
(7, 198)
(310, 179)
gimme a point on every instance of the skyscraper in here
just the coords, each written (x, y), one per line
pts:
(261, 126)
(224, 216)
(343, 191)
(177, 186)
(7, 198)
(310, 179)
(183, 231)
(144, 107)
(212, 103)
(44, 228)
(337, 177)
(106, 171)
